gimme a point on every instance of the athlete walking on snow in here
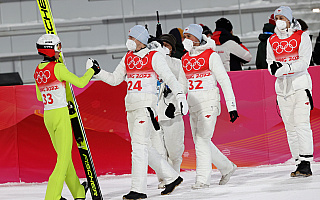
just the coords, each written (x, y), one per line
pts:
(169, 140)
(203, 68)
(289, 51)
(51, 78)
(140, 67)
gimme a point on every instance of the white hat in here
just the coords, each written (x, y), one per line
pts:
(140, 33)
(195, 30)
(285, 11)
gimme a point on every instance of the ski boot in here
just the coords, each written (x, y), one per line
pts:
(225, 178)
(86, 187)
(303, 169)
(134, 195)
(170, 187)
(199, 185)
(161, 185)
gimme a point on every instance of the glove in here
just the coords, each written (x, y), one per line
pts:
(284, 70)
(92, 63)
(274, 67)
(154, 121)
(182, 102)
(233, 115)
(210, 42)
(170, 111)
(166, 91)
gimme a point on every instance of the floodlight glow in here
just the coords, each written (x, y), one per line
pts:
(316, 10)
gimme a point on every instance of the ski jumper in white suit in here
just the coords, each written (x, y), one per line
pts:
(203, 68)
(140, 70)
(169, 140)
(293, 50)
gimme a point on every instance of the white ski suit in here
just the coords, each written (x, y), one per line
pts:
(203, 68)
(293, 50)
(141, 94)
(169, 140)
(231, 47)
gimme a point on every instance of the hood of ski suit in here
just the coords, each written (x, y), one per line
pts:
(283, 34)
(206, 43)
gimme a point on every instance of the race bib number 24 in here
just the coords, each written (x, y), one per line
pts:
(134, 85)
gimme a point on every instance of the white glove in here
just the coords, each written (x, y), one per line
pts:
(92, 63)
(182, 102)
(285, 69)
(89, 63)
(210, 43)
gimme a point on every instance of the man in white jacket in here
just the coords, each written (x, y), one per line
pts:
(140, 67)
(169, 140)
(289, 51)
(203, 68)
(232, 52)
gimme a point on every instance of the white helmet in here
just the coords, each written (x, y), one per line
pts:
(48, 44)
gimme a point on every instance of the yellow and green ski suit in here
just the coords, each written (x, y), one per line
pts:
(58, 124)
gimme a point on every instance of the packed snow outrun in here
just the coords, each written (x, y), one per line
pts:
(178, 99)
(271, 182)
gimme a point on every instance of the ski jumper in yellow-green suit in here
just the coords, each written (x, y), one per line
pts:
(51, 78)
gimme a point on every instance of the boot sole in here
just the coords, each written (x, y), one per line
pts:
(200, 188)
(298, 174)
(234, 167)
(173, 189)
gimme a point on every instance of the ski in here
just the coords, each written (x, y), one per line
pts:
(77, 125)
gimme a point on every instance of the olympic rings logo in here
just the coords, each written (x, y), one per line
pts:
(193, 63)
(136, 62)
(284, 46)
(42, 76)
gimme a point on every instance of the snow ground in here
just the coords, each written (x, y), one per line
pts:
(262, 183)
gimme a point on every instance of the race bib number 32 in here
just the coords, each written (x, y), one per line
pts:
(195, 84)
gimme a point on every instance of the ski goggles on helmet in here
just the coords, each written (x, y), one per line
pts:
(49, 50)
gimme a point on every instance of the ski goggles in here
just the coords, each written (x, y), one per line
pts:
(57, 47)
